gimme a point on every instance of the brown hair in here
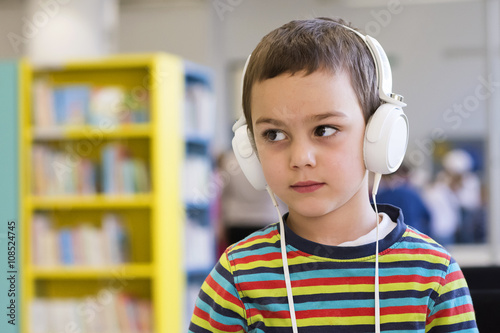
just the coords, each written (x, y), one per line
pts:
(311, 45)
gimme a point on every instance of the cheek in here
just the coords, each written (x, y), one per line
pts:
(272, 165)
(350, 158)
(268, 161)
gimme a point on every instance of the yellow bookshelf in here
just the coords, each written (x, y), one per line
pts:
(153, 220)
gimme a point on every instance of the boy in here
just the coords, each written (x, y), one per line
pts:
(309, 90)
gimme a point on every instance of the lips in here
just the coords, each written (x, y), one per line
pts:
(307, 186)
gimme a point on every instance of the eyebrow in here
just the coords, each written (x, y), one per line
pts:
(314, 118)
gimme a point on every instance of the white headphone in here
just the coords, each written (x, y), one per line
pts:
(386, 134)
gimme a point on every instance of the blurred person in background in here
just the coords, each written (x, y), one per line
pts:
(396, 189)
(455, 200)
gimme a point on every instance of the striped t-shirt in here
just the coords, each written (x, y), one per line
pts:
(422, 288)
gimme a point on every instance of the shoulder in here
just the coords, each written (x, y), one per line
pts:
(262, 237)
(255, 246)
(418, 246)
(410, 242)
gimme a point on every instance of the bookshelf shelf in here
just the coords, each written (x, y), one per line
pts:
(140, 236)
(92, 201)
(131, 271)
(87, 132)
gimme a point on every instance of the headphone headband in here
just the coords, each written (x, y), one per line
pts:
(382, 68)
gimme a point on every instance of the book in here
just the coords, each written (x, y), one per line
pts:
(121, 172)
(107, 106)
(57, 173)
(116, 312)
(83, 245)
(41, 224)
(71, 104)
(66, 247)
(92, 245)
(43, 104)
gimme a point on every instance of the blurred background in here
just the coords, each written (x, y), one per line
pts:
(95, 54)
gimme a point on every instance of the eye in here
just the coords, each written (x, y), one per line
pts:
(273, 135)
(325, 130)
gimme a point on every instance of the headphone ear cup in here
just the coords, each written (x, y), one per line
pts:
(247, 158)
(386, 139)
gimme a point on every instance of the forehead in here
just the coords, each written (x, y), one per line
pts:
(298, 96)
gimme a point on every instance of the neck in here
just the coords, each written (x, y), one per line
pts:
(347, 222)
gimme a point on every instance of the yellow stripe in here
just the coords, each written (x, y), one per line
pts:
(348, 320)
(320, 321)
(417, 236)
(343, 288)
(388, 287)
(272, 322)
(310, 290)
(260, 263)
(457, 284)
(460, 318)
(224, 261)
(404, 317)
(200, 322)
(315, 321)
(264, 240)
(429, 258)
(221, 301)
(224, 303)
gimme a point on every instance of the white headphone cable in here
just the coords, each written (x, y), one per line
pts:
(376, 182)
(284, 258)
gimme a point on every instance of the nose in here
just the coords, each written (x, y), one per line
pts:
(302, 154)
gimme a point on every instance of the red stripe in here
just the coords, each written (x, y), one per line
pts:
(215, 324)
(415, 278)
(353, 312)
(320, 313)
(257, 257)
(272, 284)
(276, 284)
(222, 292)
(420, 251)
(458, 310)
(346, 312)
(336, 281)
(454, 276)
(407, 309)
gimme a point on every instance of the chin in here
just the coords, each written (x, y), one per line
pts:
(316, 209)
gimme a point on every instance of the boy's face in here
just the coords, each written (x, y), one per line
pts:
(309, 134)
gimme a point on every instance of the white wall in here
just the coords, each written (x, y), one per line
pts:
(183, 29)
(11, 13)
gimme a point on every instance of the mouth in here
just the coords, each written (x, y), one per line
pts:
(307, 186)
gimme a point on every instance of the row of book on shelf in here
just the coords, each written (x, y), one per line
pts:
(60, 172)
(82, 244)
(107, 312)
(87, 104)
(80, 104)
